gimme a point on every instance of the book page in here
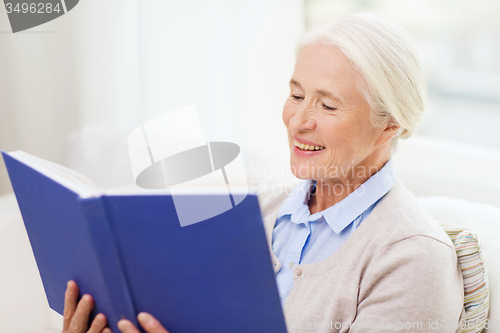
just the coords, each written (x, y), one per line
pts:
(85, 188)
(71, 179)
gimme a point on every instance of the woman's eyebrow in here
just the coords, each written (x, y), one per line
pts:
(319, 91)
(329, 95)
(295, 83)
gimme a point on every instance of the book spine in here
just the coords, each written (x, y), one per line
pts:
(118, 303)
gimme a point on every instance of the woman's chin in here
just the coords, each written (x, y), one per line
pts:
(302, 177)
(301, 171)
(304, 168)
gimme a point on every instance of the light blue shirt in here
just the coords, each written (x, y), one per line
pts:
(302, 238)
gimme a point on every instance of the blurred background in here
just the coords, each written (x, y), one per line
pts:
(459, 45)
(72, 89)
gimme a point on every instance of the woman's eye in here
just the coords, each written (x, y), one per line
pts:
(297, 97)
(329, 108)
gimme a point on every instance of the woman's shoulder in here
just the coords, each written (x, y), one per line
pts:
(399, 216)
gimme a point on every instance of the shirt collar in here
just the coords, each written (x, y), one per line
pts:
(296, 202)
(340, 215)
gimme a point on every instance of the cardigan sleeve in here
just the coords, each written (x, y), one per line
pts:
(413, 285)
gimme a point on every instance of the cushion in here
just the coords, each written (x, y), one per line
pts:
(483, 219)
(472, 262)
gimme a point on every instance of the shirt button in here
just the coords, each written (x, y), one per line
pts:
(298, 271)
(290, 264)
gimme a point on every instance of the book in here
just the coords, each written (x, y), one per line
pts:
(129, 251)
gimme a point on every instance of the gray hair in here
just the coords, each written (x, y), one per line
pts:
(386, 61)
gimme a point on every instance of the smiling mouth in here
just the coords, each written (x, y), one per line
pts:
(305, 147)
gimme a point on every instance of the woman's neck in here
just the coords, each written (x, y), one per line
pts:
(330, 191)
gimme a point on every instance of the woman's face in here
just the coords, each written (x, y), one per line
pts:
(326, 109)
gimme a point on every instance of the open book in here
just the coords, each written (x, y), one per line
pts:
(129, 251)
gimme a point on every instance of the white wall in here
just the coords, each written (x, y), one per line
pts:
(38, 98)
(120, 62)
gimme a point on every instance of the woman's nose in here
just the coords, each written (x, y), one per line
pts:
(303, 119)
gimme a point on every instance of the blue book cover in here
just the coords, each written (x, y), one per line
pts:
(132, 255)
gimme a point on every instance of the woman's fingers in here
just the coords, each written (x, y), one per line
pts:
(70, 302)
(80, 320)
(126, 326)
(150, 324)
(98, 324)
(147, 321)
(76, 316)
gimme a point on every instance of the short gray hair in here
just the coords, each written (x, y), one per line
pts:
(387, 62)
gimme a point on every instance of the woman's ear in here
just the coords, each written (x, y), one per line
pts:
(390, 129)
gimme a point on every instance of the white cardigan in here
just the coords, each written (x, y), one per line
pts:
(399, 269)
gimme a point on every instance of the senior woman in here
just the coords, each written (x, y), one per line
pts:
(352, 249)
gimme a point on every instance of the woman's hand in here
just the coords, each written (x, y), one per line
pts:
(76, 316)
(147, 321)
